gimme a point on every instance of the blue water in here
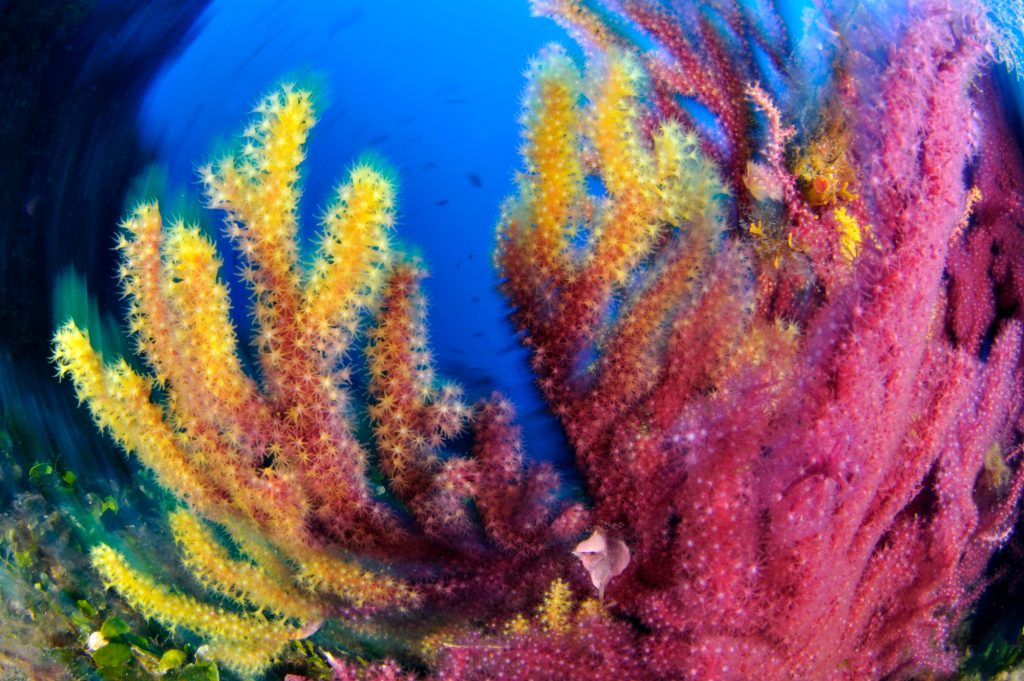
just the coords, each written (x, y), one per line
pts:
(432, 88)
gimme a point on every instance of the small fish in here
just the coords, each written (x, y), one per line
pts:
(442, 202)
(603, 557)
(475, 180)
(380, 139)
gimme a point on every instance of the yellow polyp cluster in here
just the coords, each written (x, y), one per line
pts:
(519, 625)
(687, 184)
(997, 472)
(325, 573)
(773, 346)
(851, 234)
(824, 171)
(556, 611)
(245, 643)
(347, 275)
(246, 582)
(276, 464)
(973, 198)
(770, 243)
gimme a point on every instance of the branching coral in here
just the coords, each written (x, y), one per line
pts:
(277, 464)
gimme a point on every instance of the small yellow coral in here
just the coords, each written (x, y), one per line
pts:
(996, 470)
(824, 170)
(769, 243)
(973, 199)
(348, 273)
(851, 234)
(517, 626)
(555, 613)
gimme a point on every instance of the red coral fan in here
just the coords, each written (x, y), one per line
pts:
(800, 408)
(791, 378)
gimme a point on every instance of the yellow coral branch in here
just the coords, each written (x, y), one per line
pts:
(687, 184)
(259, 190)
(555, 612)
(119, 401)
(851, 234)
(242, 581)
(553, 187)
(322, 572)
(348, 271)
(246, 643)
(203, 333)
(626, 231)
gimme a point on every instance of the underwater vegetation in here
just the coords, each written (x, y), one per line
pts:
(771, 288)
